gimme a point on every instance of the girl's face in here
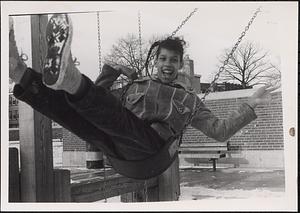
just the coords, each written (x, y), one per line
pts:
(168, 63)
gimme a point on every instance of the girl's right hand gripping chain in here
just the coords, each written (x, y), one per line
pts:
(130, 73)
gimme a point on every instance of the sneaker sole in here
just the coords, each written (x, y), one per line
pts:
(58, 37)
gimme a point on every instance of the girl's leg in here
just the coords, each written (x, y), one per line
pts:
(53, 104)
(30, 89)
(114, 129)
(107, 113)
(96, 104)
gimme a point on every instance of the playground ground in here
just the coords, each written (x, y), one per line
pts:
(229, 183)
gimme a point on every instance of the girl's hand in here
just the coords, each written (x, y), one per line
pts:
(262, 96)
(130, 73)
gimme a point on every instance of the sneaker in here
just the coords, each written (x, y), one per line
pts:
(58, 38)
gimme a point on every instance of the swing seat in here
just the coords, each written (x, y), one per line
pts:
(150, 167)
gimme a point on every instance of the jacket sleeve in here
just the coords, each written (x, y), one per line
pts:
(107, 77)
(222, 129)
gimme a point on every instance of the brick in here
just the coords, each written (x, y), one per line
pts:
(265, 133)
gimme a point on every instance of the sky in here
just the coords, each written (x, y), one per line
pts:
(213, 28)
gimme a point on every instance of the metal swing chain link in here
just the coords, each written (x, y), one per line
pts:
(100, 69)
(140, 39)
(104, 184)
(99, 42)
(179, 27)
(183, 22)
(219, 72)
(151, 57)
(221, 69)
(145, 191)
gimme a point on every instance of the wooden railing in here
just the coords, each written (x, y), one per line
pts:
(89, 185)
(97, 188)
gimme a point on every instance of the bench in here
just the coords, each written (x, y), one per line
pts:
(211, 151)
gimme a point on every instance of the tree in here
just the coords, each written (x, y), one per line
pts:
(249, 66)
(129, 52)
(274, 76)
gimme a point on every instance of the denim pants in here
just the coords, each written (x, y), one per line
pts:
(98, 118)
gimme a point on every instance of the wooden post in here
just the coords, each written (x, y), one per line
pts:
(127, 198)
(152, 194)
(133, 197)
(62, 189)
(168, 188)
(169, 183)
(14, 176)
(36, 133)
(136, 196)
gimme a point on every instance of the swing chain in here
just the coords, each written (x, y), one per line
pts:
(104, 183)
(183, 22)
(140, 38)
(221, 69)
(198, 104)
(100, 68)
(141, 61)
(99, 42)
(41, 59)
(178, 28)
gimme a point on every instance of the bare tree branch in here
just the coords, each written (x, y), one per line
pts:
(127, 52)
(249, 65)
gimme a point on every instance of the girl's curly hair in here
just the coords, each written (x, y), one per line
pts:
(172, 43)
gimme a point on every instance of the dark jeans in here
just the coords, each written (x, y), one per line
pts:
(98, 118)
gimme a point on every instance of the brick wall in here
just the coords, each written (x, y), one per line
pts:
(71, 142)
(264, 133)
(56, 133)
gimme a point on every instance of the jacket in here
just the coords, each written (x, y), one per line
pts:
(170, 108)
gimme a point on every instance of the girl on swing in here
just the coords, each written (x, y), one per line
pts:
(132, 128)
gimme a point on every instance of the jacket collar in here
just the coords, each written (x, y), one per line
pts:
(175, 83)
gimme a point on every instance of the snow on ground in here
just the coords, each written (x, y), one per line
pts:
(228, 183)
(232, 183)
(116, 199)
(200, 192)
